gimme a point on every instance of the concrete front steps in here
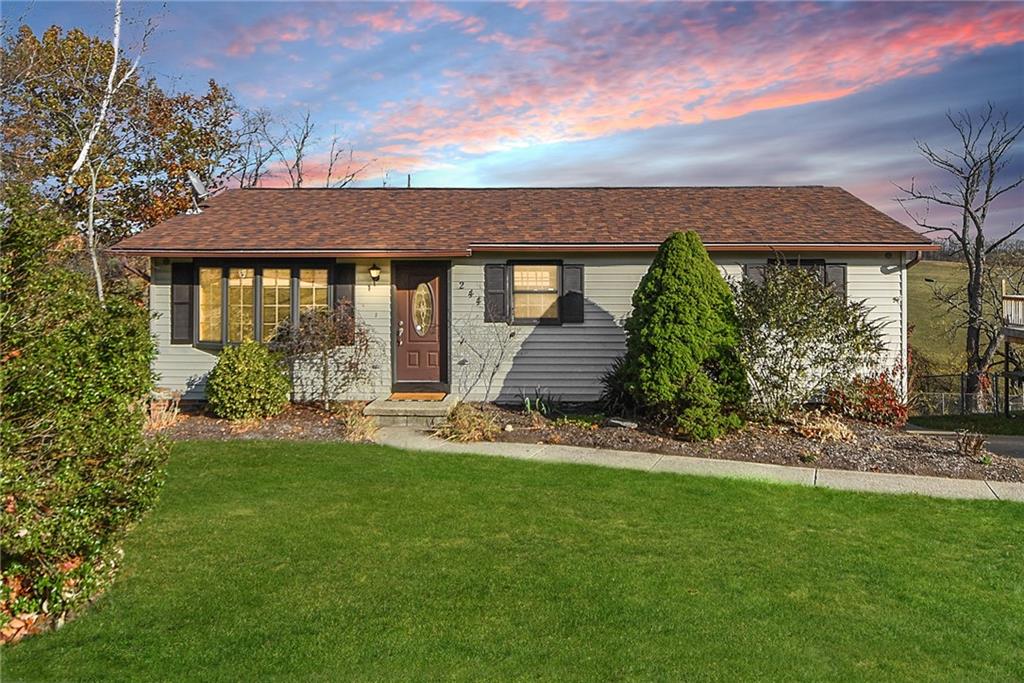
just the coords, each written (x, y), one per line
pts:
(424, 414)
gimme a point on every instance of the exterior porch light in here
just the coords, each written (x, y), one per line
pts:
(375, 272)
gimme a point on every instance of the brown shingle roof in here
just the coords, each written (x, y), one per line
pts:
(456, 220)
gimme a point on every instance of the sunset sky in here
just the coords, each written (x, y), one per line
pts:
(490, 94)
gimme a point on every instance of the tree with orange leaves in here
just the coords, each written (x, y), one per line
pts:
(88, 130)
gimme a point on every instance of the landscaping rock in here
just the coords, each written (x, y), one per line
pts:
(620, 423)
(509, 428)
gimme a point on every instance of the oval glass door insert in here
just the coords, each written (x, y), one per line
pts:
(422, 308)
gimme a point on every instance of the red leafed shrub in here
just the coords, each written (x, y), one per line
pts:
(874, 398)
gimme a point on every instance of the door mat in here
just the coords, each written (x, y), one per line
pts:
(417, 396)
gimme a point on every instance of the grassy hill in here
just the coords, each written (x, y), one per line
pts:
(931, 336)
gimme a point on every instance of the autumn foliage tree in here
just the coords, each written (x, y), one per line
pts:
(134, 174)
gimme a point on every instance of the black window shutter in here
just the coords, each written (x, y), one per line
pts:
(181, 302)
(835, 276)
(755, 272)
(345, 286)
(495, 297)
(572, 294)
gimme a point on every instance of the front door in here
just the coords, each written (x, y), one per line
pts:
(419, 325)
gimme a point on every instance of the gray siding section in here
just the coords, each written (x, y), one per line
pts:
(505, 363)
(373, 313)
(181, 367)
(500, 362)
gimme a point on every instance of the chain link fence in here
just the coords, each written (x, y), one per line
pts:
(947, 395)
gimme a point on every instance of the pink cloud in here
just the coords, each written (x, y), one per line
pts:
(418, 15)
(363, 41)
(423, 11)
(203, 63)
(257, 92)
(387, 21)
(268, 34)
(550, 10)
(373, 164)
(588, 78)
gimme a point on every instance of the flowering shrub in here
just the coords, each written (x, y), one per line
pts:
(874, 398)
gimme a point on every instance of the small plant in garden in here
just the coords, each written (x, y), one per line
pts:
(580, 421)
(820, 426)
(540, 403)
(682, 364)
(466, 422)
(328, 352)
(615, 398)
(799, 339)
(971, 445)
(164, 409)
(874, 398)
(247, 383)
(359, 428)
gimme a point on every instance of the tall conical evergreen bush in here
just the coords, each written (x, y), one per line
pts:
(681, 362)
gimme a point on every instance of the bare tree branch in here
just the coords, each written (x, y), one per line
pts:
(973, 170)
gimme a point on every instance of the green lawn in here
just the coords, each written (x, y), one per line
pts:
(930, 321)
(982, 424)
(288, 561)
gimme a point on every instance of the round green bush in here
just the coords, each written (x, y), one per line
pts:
(681, 361)
(247, 383)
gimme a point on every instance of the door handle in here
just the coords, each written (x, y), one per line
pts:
(401, 331)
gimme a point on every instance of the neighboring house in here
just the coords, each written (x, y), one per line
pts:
(489, 294)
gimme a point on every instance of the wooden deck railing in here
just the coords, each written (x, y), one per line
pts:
(1013, 310)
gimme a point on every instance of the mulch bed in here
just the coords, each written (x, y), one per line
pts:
(874, 449)
(297, 422)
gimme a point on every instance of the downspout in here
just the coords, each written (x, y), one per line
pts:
(914, 261)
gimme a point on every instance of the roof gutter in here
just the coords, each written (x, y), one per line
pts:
(710, 246)
(519, 246)
(291, 253)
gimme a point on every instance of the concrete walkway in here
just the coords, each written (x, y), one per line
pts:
(412, 439)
